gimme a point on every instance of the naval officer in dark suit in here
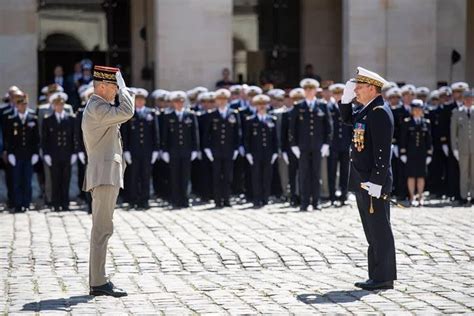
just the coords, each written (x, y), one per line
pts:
(371, 176)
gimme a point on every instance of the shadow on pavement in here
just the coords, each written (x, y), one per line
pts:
(332, 297)
(58, 304)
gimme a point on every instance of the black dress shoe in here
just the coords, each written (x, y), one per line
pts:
(303, 208)
(227, 203)
(317, 207)
(107, 289)
(372, 285)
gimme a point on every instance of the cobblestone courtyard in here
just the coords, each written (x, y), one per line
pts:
(236, 261)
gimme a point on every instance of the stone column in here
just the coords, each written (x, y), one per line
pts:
(193, 42)
(19, 46)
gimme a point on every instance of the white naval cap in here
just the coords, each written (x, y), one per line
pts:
(389, 85)
(417, 103)
(434, 95)
(408, 88)
(222, 94)
(54, 87)
(252, 90)
(370, 77)
(337, 87)
(235, 89)
(195, 92)
(445, 90)
(422, 91)
(58, 95)
(310, 83)
(297, 93)
(460, 86)
(140, 92)
(206, 96)
(261, 99)
(177, 96)
(159, 94)
(393, 92)
(278, 94)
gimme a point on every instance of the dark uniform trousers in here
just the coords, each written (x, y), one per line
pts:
(81, 168)
(293, 161)
(179, 140)
(454, 188)
(160, 169)
(5, 112)
(309, 130)
(371, 151)
(401, 189)
(59, 142)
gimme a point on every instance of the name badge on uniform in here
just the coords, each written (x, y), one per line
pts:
(358, 139)
(232, 119)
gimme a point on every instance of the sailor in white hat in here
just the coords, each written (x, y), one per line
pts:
(371, 178)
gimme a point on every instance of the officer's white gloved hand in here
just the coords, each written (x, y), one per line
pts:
(128, 157)
(428, 160)
(120, 81)
(274, 158)
(296, 151)
(73, 159)
(348, 94)
(82, 157)
(208, 153)
(12, 159)
(194, 155)
(34, 159)
(165, 156)
(403, 158)
(47, 159)
(154, 156)
(249, 158)
(285, 157)
(325, 150)
(242, 151)
(373, 189)
(456, 154)
(445, 150)
(395, 150)
(235, 155)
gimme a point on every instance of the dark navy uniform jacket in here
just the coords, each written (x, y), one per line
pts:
(371, 161)
(180, 137)
(22, 138)
(141, 133)
(221, 135)
(342, 133)
(261, 137)
(58, 138)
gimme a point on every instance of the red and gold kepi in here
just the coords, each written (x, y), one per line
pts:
(107, 74)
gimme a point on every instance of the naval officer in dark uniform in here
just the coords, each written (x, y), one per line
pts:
(371, 177)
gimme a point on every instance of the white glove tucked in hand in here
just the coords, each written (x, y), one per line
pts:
(208, 153)
(120, 81)
(428, 160)
(395, 150)
(348, 94)
(194, 155)
(249, 158)
(325, 150)
(285, 157)
(374, 190)
(456, 154)
(47, 159)
(165, 156)
(154, 156)
(34, 159)
(445, 150)
(236, 153)
(73, 159)
(128, 157)
(274, 158)
(296, 151)
(82, 157)
(12, 159)
(403, 158)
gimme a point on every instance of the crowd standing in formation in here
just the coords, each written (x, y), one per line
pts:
(238, 141)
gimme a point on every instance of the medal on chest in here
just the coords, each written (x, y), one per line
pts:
(358, 138)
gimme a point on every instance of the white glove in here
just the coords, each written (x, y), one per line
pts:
(82, 157)
(47, 159)
(236, 153)
(374, 190)
(428, 160)
(73, 159)
(445, 150)
(456, 154)
(242, 151)
(12, 159)
(249, 158)
(395, 150)
(403, 158)
(165, 156)
(348, 94)
(34, 159)
(208, 153)
(128, 157)
(154, 156)
(194, 155)
(274, 157)
(296, 151)
(325, 150)
(285, 157)
(120, 81)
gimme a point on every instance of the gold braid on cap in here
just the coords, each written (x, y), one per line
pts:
(103, 75)
(364, 79)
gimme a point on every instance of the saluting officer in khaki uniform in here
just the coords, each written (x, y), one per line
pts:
(104, 174)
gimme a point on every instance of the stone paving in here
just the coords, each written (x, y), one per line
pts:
(238, 260)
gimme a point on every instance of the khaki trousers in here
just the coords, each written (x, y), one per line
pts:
(466, 173)
(104, 198)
